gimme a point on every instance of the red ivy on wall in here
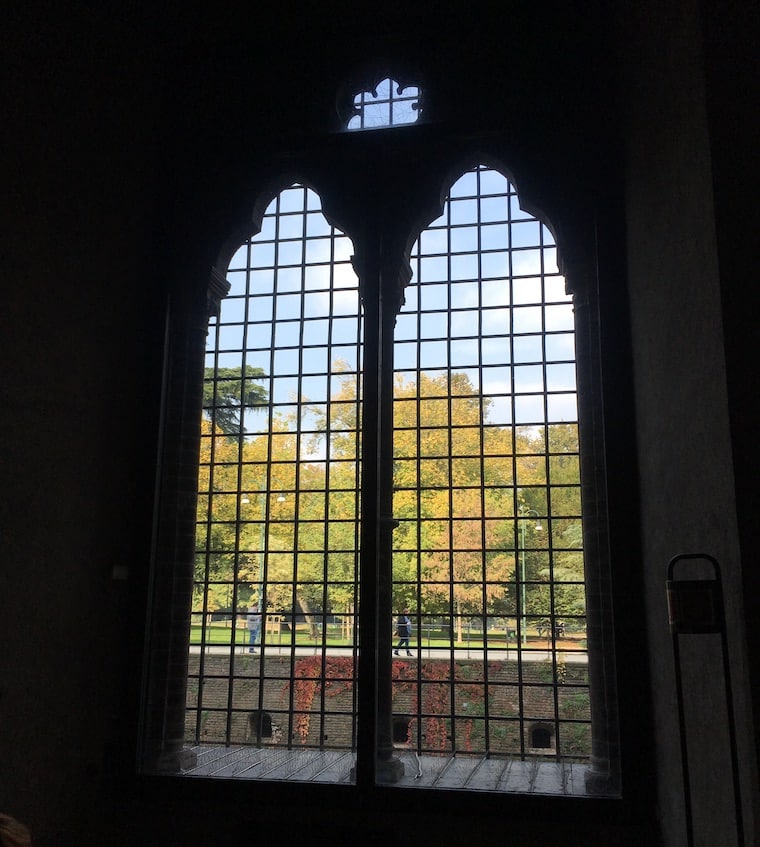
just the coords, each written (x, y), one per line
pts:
(335, 676)
(310, 679)
(436, 706)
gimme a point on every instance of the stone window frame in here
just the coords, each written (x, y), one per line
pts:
(384, 276)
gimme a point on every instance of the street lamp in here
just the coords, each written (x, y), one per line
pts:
(523, 600)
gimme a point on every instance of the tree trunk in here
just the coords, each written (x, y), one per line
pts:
(307, 613)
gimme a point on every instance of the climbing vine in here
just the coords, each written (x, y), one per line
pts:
(436, 700)
(310, 679)
(314, 678)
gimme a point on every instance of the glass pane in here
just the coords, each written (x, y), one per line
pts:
(273, 642)
(387, 105)
(488, 556)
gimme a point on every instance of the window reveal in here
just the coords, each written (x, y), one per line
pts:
(488, 549)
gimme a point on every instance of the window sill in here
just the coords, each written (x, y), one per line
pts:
(471, 773)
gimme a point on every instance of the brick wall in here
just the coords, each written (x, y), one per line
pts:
(233, 702)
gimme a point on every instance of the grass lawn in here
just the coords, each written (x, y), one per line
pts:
(222, 634)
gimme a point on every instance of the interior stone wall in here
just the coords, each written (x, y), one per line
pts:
(682, 416)
(91, 223)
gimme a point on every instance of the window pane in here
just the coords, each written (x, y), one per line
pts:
(387, 105)
(489, 559)
(277, 541)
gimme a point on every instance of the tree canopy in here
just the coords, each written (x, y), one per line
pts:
(479, 506)
(227, 392)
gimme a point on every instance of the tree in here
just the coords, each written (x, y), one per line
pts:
(227, 392)
(216, 543)
(459, 547)
(554, 563)
(451, 534)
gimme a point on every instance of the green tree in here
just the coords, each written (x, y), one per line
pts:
(450, 535)
(553, 555)
(216, 539)
(227, 392)
(300, 522)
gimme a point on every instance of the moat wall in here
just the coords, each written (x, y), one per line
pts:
(279, 700)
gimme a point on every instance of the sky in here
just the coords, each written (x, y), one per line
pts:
(387, 105)
(493, 314)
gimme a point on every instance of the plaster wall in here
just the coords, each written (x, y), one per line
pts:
(684, 444)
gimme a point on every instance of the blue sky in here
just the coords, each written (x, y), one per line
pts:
(386, 106)
(478, 303)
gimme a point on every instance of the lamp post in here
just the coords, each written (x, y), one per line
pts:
(523, 599)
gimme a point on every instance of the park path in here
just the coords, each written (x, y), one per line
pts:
(532, 653)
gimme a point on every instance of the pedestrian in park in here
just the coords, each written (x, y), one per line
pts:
(404, 631)
(254, 628)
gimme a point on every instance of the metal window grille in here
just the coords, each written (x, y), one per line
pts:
(273, 620)
(488, 554)
(389, 104)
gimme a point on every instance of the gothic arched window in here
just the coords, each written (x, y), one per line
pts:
(389, 520)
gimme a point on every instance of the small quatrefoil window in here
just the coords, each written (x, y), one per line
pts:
(389, 104)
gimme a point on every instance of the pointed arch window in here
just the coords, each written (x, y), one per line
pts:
(489, 548)
(277, 525)
(389, 526)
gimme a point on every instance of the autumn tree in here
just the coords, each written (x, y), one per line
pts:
(279, 511)
(216, 534)
(453, 533)
(550, 535)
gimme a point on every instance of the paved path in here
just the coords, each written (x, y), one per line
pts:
(532, 654)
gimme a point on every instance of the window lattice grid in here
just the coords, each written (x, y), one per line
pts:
(389, 104)
(489, 547)
(277, 519)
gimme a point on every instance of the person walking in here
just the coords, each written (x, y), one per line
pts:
(254, 628)
(404, 631)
